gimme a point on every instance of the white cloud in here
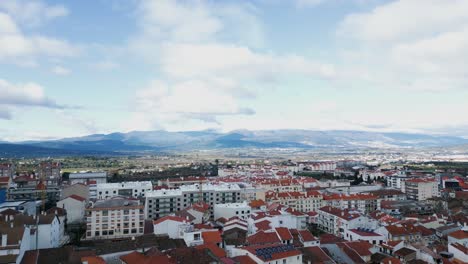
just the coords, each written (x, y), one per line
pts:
(25, 49)
(405, 19)
(59, 70)
(210, 62)
(397, 46)
(175, 104)
(26, 94)
(213, 59)
(32, 12)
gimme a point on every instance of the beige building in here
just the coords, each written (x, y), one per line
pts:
(115, 217)
(421, 189)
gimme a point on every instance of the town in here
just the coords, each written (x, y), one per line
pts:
(340, 211)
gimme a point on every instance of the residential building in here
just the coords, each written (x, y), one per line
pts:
(364, 203)
(15, 241)
(85, 177)
(75, 206)
(164, 202)
(228, 210)
(115, 217)
(362, 234)
(421, 189)
(77, 189)
(173, 226)
(301, 201)
(397, 232)
(128, 189)
(337, 221)
(7, 170)
(51, 172)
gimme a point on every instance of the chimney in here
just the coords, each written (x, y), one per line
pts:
(4, 240)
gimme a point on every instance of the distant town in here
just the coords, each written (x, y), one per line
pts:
(188, 210)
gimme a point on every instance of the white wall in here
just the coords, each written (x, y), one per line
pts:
(241, 210)
(171, 228)
(75, 209)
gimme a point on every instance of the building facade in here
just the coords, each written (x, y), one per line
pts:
(113, 218)
(163, 202)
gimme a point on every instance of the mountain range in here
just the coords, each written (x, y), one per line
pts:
(139, 142)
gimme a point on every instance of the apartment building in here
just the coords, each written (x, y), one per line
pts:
(127, 189)
(7, 170)
(228, 210)
(85, 177)
(421, 189)
(301, 201)
(364, 203)
(337, 221)
(115, 217)
(51, 172)
(163, 202)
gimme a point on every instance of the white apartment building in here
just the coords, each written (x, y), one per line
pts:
(128, 189)
(113, 218)
(84, 177)
(336, 221)
(421, 189)
(397, 182)
(164, 202)
(228, 210)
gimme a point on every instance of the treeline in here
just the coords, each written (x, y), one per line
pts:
(202, 170)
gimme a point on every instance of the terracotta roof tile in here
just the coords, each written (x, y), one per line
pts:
(211, 237)
(263, 238)
(283, 233)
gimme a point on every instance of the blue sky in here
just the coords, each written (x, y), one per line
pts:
(71, 68)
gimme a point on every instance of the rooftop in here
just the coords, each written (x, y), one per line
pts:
(116, 202)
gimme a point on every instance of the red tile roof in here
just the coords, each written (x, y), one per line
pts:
(77, 197)
(361, 247)
(263, 238)
(364, 233)
(283, 233)
(316, 255)
(217, 251)
(133, 258)
(244, 260)
(263, 225)
(167, 218)
(343, 214)
(460, 234)
(256, 203)
(93, 260)
(211, 237)
(306, 236)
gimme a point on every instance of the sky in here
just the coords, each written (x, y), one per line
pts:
(72, 68)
